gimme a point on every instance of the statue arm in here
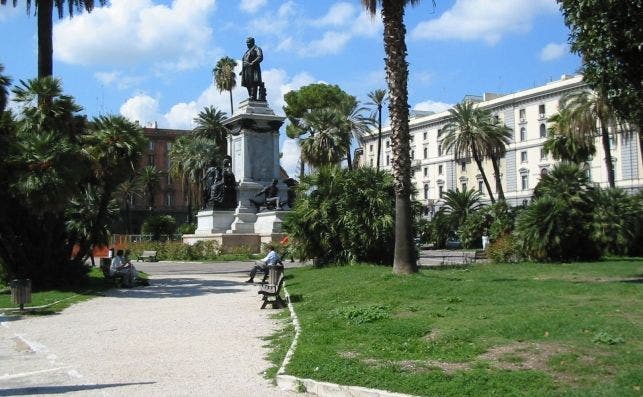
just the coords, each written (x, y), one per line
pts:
(259, 56)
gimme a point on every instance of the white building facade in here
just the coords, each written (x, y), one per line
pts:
(435, 171)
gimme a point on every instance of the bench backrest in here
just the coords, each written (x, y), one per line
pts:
(149, 253)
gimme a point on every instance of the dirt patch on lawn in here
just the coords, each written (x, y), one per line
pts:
(522, 356)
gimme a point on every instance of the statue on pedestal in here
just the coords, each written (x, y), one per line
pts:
(251, 72)
(271, 197)
(220, 187)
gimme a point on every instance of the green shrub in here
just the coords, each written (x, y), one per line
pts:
(159, 225)
(207, 249)
(473, 227)
(616, 220)
(344, 216)
(186, 228)
(504, 250)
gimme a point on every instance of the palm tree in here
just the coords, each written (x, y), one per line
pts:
(588, 107)
(44, 11)
(354, 124)
(4, 83)
(127, 190)
(224, 76)
(397, 73)
(209, 124)
(465, 135)
(150, 178)
(378, 97)
(459, 204)
(496, 137)
(328, 142)
(564, 142)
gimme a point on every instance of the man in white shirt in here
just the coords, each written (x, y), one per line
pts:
(270, 260)
(123, 267)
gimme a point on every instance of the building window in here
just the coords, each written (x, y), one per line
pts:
(541, 111)
(388, 160)
(543, 154)
(525, 202)
(426, 192)
(371, 162)
(168, 179)
(588, 173)
(426, 153)
(150, 158)
(612, 141)
(543, 172)
(168, 147)
(424, 136)
(370, 148)
(169, 199)
(496, 119)
(439, 132)
(151, 145)
(440, 191)
(464, 186)
(524, 181)
(481, 187)
(523, 156)
(440, 168)
(522, 115)
(426, 171)
(463, 166)
(543, 131)
(412, 154)
(439, 150)
(523, 134)
(388, 143)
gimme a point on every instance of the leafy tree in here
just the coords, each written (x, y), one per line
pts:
(466, 136)
(458, 205)
(159, 225)
(127, 191)
(327, 143)
(225, 77)
(608, 35)
(308, 99)
(190, 155)
(44, 12)
(209, 124)
(474, 227)
(378, 98)
(587, 108)
(397, 74)
(342, 216)
(565, 142)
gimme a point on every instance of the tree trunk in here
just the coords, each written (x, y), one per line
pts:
(476, 158)
(404, 259)
(605, 140)
(45, 46)
(496, 175)
(231, 108)
(349, 160)
(379, 136)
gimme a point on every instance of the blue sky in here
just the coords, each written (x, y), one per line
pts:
(151, 60)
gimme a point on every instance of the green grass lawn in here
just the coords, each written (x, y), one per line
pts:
(501, 330)
(96, 285)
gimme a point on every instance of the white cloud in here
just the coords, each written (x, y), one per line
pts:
(553, 51)
(142, 108)
(290, 156)
(339, 14)
(117, 79)
(251, 5)
(330, 43)
(276, 23)
(134, 32)
(470, 20)
(432, 106)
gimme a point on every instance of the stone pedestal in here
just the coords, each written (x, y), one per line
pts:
(209, 222)
(269, 222)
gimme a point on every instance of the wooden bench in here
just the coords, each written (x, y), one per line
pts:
(104, 267)
(479, 255)
(271, 292)
(151, 255)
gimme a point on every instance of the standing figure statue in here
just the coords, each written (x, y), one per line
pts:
(251, 71)
(209, 178)
(229, 185)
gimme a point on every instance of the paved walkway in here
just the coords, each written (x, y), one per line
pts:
(185, 335)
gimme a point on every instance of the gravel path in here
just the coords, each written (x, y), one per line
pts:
(182, 336)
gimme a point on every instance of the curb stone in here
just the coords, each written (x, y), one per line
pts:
(311, 386)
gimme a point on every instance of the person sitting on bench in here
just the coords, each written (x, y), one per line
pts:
(122, 266)
(270, 260)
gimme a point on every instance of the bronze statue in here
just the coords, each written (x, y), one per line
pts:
(251, 71)
(271, 198)
(220, 187)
